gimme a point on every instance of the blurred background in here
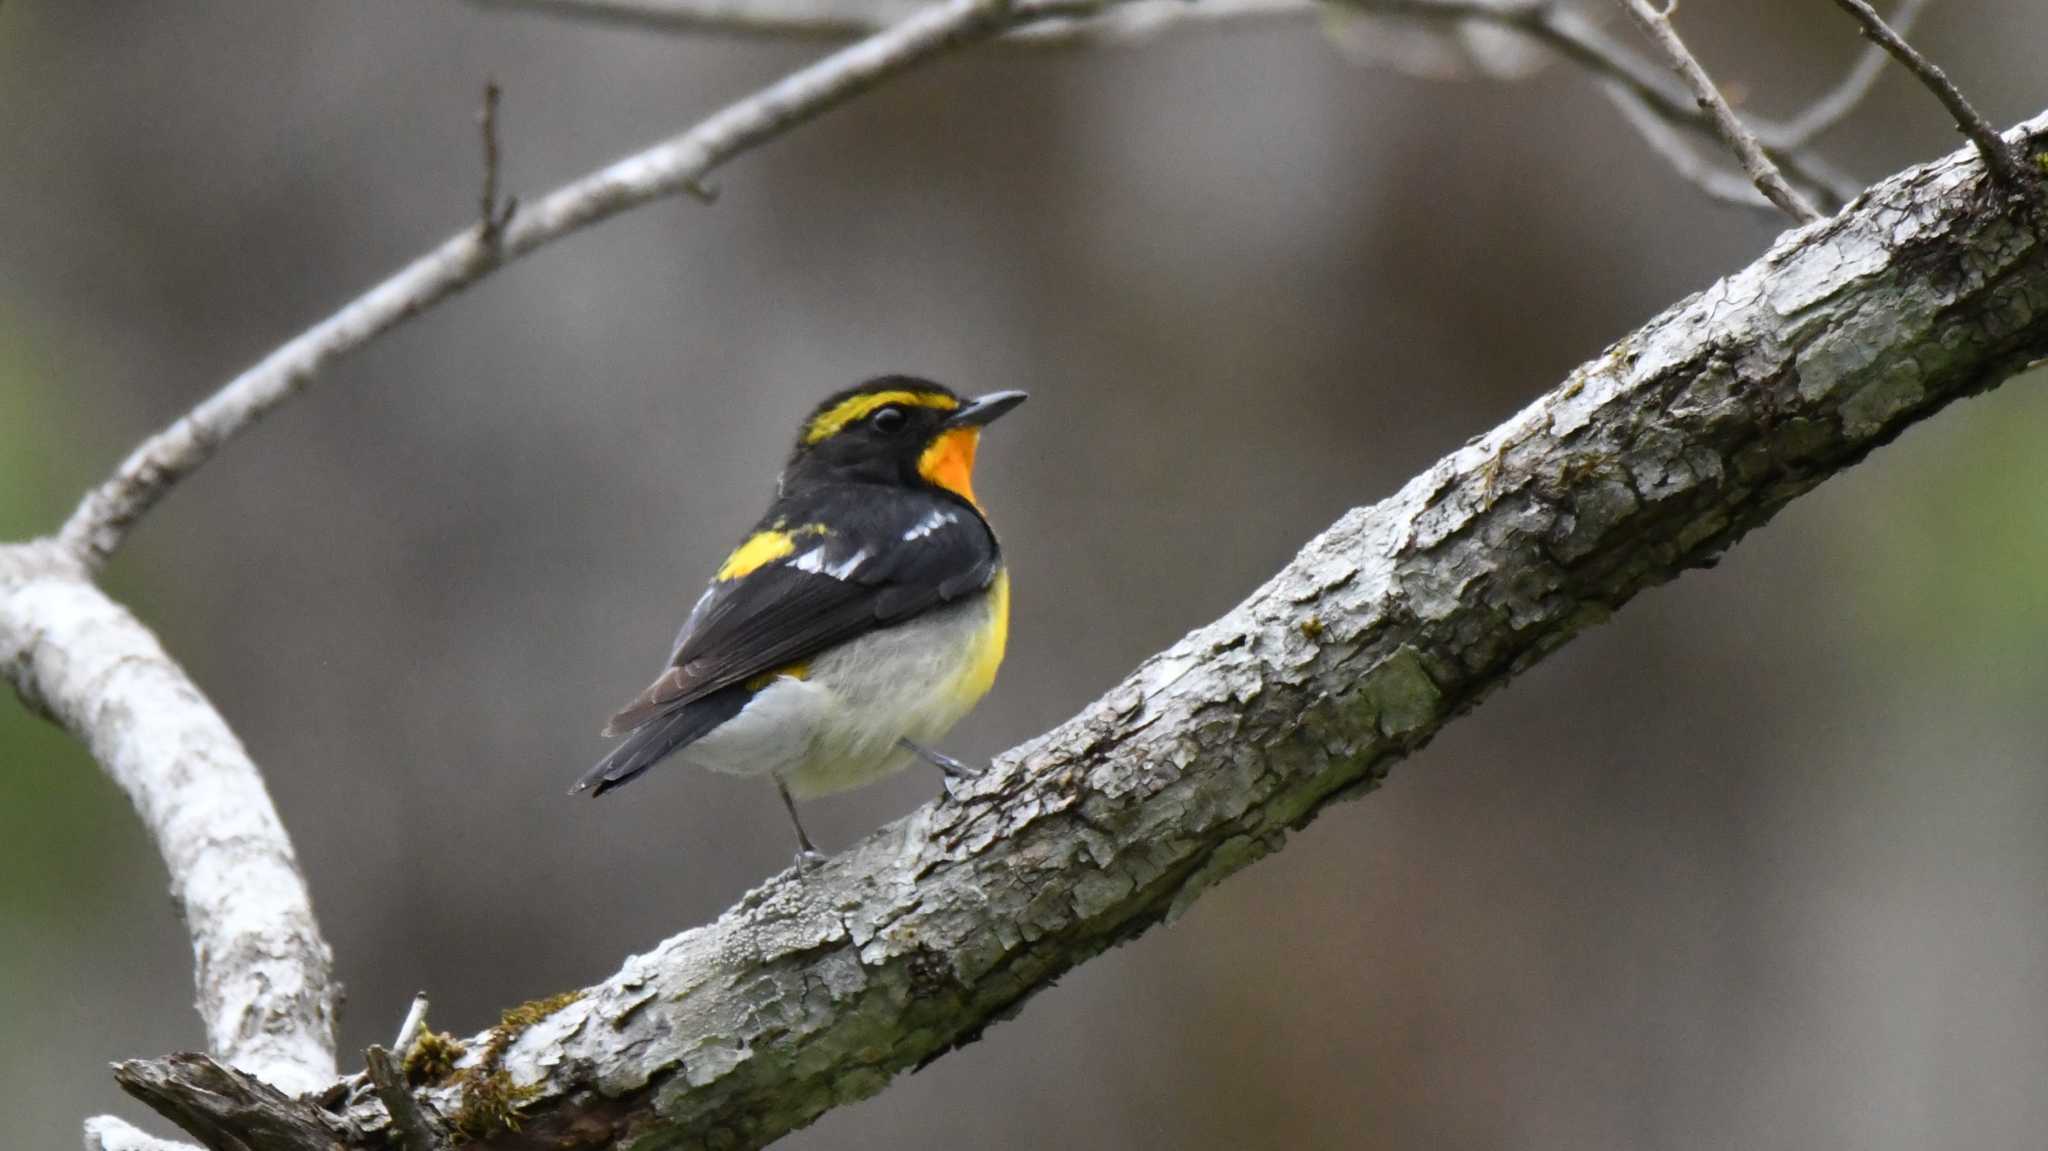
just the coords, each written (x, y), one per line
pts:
(1760, 863)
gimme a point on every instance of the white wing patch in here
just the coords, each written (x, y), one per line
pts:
(933, 520)
(814, 561)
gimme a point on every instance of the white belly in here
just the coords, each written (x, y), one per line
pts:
(841, 725)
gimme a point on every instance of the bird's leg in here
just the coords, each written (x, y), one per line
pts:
(940, 760)
(807, 855)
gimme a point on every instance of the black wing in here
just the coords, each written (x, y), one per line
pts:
(860, 558)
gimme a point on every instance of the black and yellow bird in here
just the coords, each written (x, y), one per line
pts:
(863, 617)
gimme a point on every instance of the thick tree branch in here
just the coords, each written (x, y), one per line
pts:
(1651, 459)
(106, 1133)
(262, 970)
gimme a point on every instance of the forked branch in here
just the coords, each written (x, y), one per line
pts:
(103, 519)
(1756, 164)
(1998, 156)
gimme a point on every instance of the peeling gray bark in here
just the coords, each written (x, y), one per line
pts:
(261, 971)
(1651, 459)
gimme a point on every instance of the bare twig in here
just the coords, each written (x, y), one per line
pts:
(409, 1031)
(1998, 157)
(494, 216)
(776, 19)
(1835, 105)
(105, 516)
(1714, 182)
(1656, 24)
(1069, 23)
(1040, 23)
(1650, 460)
(387, 1079)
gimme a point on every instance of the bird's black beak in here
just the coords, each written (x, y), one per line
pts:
(983, 410)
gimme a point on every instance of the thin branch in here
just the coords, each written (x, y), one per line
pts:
(1656, 24)
(766, 19)
(409, 1030)
(1041, 23)
(1071, 23)
(492, 216)
(1648, 461)
(1712, 181)
(103, 519)
(1998, 157)
(387, 1077)
(262, 971)
(1586, 44)
(1834, 106)
(105, 516)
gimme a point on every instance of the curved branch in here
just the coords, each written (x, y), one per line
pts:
(107, 513)
(1650, 460)
(263, 972)
(1068, 23)
(1047, 22)
(104, 517)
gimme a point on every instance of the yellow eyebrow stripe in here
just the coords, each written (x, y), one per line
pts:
(831, 422)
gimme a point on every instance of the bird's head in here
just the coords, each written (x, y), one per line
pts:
(896, 430)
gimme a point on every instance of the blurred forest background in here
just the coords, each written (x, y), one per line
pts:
(1759, 864)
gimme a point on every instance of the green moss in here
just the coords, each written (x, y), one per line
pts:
(490, 1099)
(490, 1103)
(433, 1057)
(1312, 627)
(529, 1013)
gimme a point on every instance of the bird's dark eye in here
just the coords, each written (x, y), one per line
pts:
(890, 420)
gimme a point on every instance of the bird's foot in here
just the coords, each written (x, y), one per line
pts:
(808, 859)
(946, 763)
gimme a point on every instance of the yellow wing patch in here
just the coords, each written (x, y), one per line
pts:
(759, 550)
(830, 423)
(764, 548)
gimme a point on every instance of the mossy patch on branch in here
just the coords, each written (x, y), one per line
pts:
(433, 1057)
(490, 1103)
(526, 1015)
(490, 1098)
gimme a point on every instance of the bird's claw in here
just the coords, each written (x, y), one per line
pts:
(945, 763)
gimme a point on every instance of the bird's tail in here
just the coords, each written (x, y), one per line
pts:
(659, 737)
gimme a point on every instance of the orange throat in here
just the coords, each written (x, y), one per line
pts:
(949, 462)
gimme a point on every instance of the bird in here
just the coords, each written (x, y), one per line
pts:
(863, 617)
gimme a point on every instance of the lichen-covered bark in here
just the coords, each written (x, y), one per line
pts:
(1651, 459)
